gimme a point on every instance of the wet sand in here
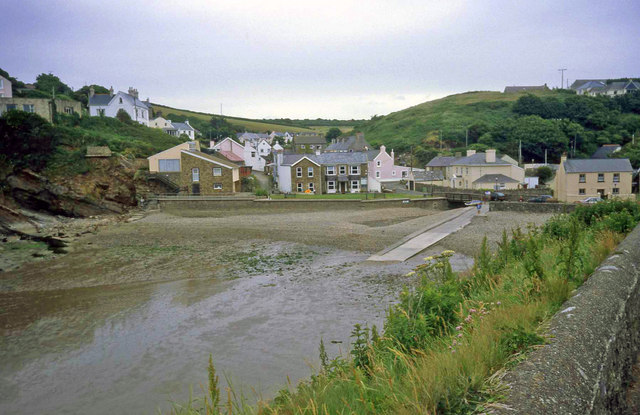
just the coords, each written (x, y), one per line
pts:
(126, 322)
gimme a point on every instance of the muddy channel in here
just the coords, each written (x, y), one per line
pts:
(125, 323)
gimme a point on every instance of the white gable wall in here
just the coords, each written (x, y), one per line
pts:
(122, 101)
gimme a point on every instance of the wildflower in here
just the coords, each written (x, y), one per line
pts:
(448, 252)
(468, 319)
(460, 335)
(450, 347)
(459, 328)
(472, 310)
(453, 350)
(498, 303)
(410, 274)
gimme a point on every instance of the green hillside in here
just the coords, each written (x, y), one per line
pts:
(241, 124)
(544, 120)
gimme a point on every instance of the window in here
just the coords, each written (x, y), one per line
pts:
(68, 110)
(299, 187)
(355, 185)
(217, 171)
(331, 170)
(298, 171)
(616, 191)
(405, 173)
(583, 178)
(195, 174)
(217, 186)
(253, 154)
(311, 147)
(192, 145)
(393, 173)
(616, 177)
(331, 186)
(136, 113)
(312, 186)
(582, 192)
(121, 100)
(467, 170)
(310, 171)
(11, 107)
(169, 165)
(355, 169)
(101, 112)
(600, 177)
(302, 146)
(342, 170)
(378, 163)
(28, 108)
(377, 175)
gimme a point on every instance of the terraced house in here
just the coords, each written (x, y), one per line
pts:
(322, 173)
(204, 174)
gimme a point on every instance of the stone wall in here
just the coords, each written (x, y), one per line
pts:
(531, 207)
(291, 205)
(586, 367)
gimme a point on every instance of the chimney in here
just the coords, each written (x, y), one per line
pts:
(111, 91)
(563, 158)
(212, 143)
(470, 152)
(490, 156)
(133, 92)
(383, 149)
(317, 152)
(92, 91)
(392, 154)
(360, 136)
(333, 141)
(187, 122)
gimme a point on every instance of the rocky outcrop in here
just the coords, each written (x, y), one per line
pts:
(27, 189)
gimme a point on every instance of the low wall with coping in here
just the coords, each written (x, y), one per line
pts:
(586, 367)
(293, 205)
(531, 207)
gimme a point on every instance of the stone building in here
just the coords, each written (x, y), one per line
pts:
(41, 106)
(205, 174)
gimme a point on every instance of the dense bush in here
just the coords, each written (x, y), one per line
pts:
(26, 139)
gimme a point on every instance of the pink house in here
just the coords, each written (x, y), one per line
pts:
(382, 168)
(229, 148)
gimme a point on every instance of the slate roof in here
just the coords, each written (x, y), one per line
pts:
(229, 155)
(605, 151)
(511, 89)
(181, 126)
(356, 157)
(352, 143)
(477, 160)
(442, 161)
(101, 100)
(580, 82)
(251, 136)
(209, 157)
(427, 176)
(309, 139)
(495, 178)
(597, 165)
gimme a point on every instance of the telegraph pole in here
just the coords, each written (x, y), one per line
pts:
(562, 77)
(466, 138)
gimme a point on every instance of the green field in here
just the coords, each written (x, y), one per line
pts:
(242, 123)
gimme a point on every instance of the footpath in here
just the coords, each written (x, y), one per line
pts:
(421, 240)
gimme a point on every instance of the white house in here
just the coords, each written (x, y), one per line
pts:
(287, 137)
(252, 158)
(264, 148)
(160, 122)
(108, 105)
(174, 128)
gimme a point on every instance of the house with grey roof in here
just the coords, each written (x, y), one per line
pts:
(174, 128)
(595, 87)
(473, 170)
(349, 144)
(605, 151)
(253, 138)
(309, 144)
(516, 89)
(108, 105)
(577, 179)
(322, 173)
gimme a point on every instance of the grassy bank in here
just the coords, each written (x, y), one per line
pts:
(445, 344)
(349, 196)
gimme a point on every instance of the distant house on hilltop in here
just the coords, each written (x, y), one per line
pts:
(605, 151)
(516, 89)
(595, 87)
(108, 105)
(174, 128)
(349, 144)
(309, 143)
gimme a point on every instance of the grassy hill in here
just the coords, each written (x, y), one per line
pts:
(241, 123)
(451, 115)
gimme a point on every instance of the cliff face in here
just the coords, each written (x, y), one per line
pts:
(107, 188)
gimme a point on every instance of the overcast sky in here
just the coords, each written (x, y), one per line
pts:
(310, 59)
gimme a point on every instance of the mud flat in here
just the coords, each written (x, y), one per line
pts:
(126, 321)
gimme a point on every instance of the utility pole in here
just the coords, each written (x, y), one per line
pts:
(441, 141)
(545, 156)
(466, 138)
(520, 152)
(562, 77)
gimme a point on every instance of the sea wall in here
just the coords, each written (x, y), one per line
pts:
(531, 207)
(586, 366)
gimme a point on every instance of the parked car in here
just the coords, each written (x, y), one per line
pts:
(497, 196)
(540, 199)
(590, 200)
